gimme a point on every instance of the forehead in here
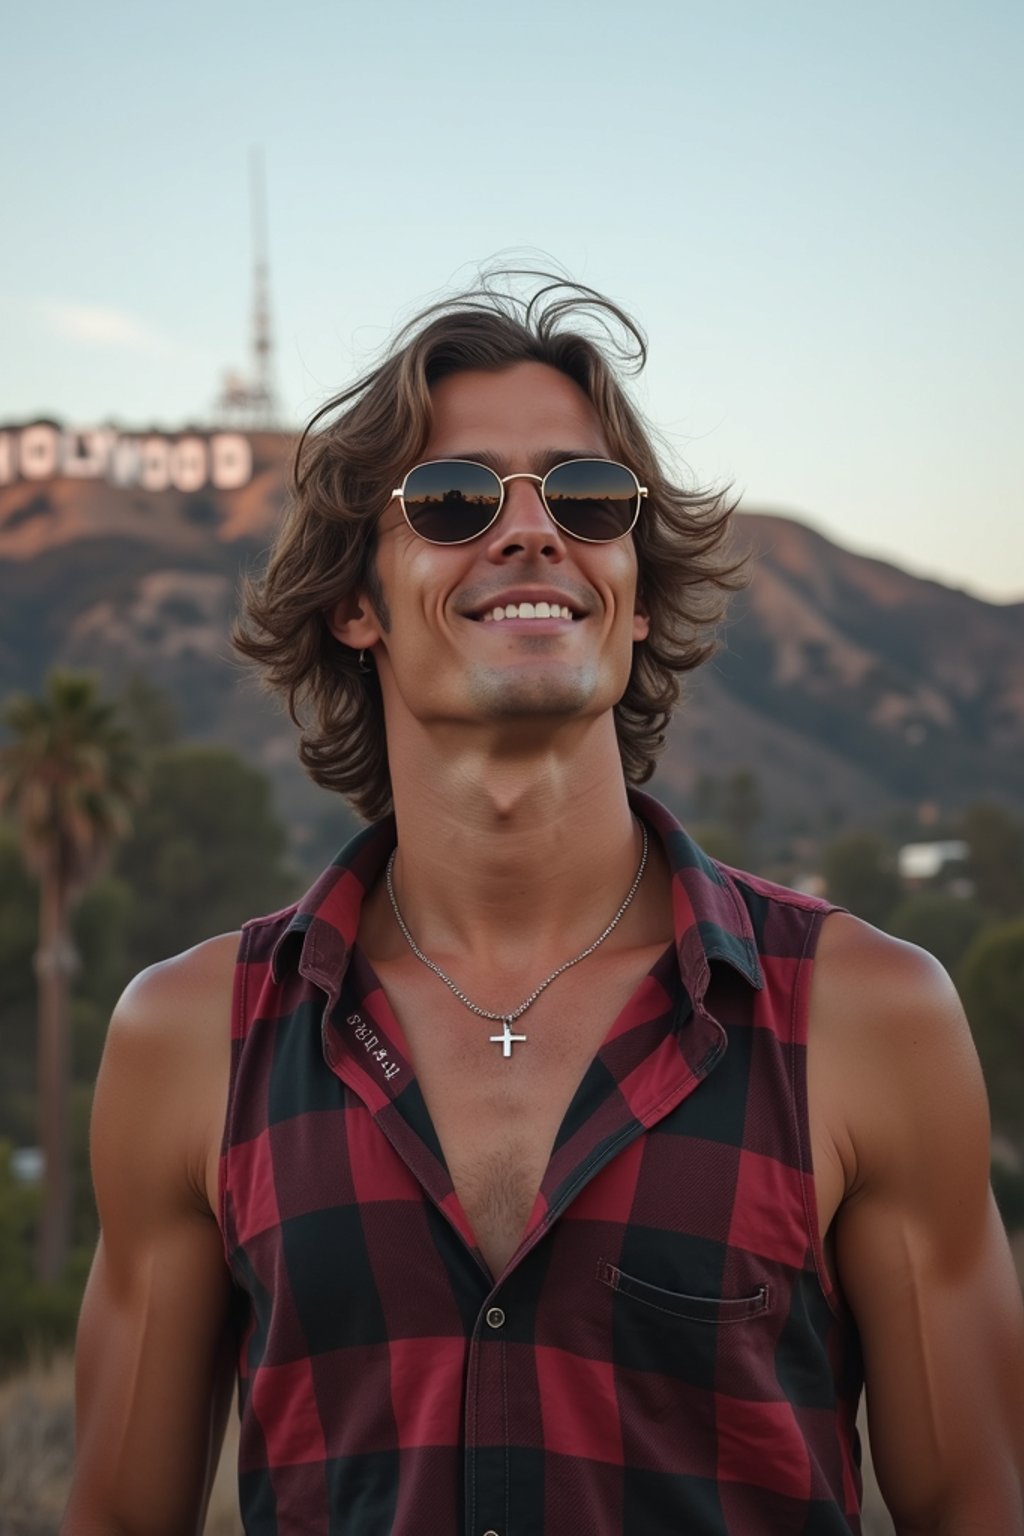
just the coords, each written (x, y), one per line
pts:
(514, 414)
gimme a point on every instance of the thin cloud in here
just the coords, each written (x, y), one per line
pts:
(95, 326)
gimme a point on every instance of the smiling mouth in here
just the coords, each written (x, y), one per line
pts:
(540, 610)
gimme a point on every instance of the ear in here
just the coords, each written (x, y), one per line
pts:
(641, 623)
(353, 622)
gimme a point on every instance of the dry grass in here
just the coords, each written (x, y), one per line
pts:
(222, 1517)
(36, 1449)
(37, 1453)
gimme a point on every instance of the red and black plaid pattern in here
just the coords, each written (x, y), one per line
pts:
(665, 1352)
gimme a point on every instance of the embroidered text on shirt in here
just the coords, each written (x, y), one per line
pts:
(371, 1043)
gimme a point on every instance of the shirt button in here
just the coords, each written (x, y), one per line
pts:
(495, 1319)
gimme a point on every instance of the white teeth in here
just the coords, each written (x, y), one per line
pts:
(539, 610)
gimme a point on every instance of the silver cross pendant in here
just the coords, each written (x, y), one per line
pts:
(506, 1039)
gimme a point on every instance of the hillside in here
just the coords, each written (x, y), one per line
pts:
(849, 686)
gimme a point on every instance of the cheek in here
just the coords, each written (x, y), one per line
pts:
(641, 624)
(627, 584)
(414, 589)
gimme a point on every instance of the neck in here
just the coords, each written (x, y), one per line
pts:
(510, 859)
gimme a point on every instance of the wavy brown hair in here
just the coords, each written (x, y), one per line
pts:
(360, 444)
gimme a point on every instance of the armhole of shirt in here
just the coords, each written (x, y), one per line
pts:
(238, 1025)
(798, 1042)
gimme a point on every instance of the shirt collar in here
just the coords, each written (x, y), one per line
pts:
(711, 921)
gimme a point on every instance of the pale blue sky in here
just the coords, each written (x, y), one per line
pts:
(813, 208)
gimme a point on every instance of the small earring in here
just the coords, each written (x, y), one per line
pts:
(364, 665)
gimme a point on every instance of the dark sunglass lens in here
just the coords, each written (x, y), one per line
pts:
(592, 498)
(450, 500)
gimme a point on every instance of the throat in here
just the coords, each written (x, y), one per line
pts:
(507, 1039)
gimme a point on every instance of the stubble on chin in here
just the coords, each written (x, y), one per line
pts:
(502, 694)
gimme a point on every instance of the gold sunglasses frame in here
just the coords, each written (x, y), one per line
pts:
(503, 480)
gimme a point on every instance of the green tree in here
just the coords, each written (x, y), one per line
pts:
(860, 874)
(99, 933)
(995, 840)
(150, 714)
(718, 842)
(991, 982)
(17, 991)
(944, 925)
(206, 853)
(17, 1217)
(102, 924)
(70, 776)
(32, 1316)
(707, 793)
(741, 807)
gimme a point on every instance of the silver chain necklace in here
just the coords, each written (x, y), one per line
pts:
(506, 1039)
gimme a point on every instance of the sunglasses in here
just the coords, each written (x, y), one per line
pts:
(450, 501)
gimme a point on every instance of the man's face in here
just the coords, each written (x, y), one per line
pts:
(442, 658)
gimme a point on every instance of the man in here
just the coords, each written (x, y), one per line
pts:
(535, 1172)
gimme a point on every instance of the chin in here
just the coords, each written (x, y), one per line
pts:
(505, 695)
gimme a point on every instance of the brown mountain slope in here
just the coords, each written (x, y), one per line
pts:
(908, 690)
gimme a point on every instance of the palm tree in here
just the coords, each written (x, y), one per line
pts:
(70, 775)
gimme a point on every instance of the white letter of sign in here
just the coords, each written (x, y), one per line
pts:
(188, 464)
(124, 460)
(154, 471)
(39, 451)
(230, 460)
(87, 454)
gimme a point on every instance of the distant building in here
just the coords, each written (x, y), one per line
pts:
(921, 862)
(28, 1165)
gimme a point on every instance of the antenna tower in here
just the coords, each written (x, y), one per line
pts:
(252, 401)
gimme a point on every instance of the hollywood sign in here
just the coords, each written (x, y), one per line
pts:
(153, 461)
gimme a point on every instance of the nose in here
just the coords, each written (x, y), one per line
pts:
(525, 527)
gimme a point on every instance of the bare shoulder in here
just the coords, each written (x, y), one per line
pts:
(879, 1003)
(162, 1087)
(860, 968)
(177, 995)
(175, 1016)
(894, 1067)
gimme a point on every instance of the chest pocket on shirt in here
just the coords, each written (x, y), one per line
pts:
(696, 1309)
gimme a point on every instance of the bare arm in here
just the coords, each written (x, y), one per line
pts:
(153, 1359)
(921, 1252)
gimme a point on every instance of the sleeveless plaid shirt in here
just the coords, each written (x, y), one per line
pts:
(665, 1351)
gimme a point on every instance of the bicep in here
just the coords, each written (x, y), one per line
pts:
(943, 1366)
(925, 1265)
(153, 1351)
(153, 1377)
